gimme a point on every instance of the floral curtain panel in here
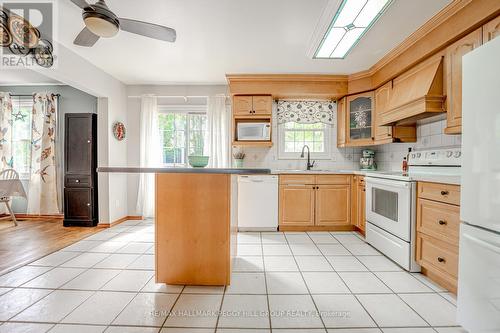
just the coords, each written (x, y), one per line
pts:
(5, 131)
(42, 197)
(306, 112)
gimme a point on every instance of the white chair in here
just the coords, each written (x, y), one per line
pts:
(9, 174)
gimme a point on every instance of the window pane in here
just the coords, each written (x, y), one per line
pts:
(318, 147)
(183, 134)
(289, 147)
(289, 136)
(309, 136)
(318, 136)
(299, 136)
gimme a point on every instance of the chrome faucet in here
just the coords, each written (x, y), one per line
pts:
(309, 164)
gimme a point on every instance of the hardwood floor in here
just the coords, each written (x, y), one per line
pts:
(35, 238)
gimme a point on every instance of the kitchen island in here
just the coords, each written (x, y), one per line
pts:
(195, 222)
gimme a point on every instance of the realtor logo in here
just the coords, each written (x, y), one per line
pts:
(27, 34)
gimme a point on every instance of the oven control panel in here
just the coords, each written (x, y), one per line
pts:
(438, 157)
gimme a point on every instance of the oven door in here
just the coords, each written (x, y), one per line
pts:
(389, 206)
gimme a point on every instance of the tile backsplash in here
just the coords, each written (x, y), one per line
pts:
(430, 135)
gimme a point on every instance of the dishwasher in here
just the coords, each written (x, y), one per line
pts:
(258, 203)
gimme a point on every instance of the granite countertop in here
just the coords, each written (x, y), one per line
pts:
(249, 171)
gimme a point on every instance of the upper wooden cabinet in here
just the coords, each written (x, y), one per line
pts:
(359, 131)
(382, 97)
(453, 60)
(491, 30)
(252, 105)
(341, 122)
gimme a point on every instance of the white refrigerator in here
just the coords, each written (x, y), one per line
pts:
(479, 252)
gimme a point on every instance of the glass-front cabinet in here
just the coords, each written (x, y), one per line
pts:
(360, 118)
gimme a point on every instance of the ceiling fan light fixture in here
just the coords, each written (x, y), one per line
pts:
(101, 26)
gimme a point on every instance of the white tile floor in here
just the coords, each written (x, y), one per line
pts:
(282, 282)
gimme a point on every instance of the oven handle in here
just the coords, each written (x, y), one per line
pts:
(390, 183)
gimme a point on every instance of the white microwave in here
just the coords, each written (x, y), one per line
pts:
(253, 131)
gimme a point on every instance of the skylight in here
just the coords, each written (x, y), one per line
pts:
(350, 23)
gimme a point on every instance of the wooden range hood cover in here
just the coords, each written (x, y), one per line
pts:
(416, 94)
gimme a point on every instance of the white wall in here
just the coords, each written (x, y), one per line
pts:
(133, 117)
(79, 73)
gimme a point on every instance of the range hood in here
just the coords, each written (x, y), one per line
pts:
(416, 94)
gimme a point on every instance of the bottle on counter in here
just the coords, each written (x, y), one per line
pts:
(405, 165)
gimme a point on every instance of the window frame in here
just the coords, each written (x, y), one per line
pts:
(183, 110)
(327, 140)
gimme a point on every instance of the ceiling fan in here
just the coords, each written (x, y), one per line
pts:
(100, 21)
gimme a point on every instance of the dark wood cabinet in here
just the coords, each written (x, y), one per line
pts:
(80, 169)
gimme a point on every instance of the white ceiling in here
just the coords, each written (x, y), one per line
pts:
(215, 37)
(16, 77)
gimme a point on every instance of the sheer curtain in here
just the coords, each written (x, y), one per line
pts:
(42, 196)
(5, 135)
(151, 154)
(217, 145)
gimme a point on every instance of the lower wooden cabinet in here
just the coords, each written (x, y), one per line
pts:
(308, 201)
(358, 214)
(333, 203)
(438, 223)
(297, 204)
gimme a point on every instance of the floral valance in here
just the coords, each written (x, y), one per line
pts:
(306, 112)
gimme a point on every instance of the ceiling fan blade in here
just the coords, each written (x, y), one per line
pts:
(81, 3)
(86, 38)
(148, 29)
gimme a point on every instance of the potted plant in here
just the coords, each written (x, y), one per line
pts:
(238, 159)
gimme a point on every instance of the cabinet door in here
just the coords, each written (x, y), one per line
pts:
(341, 122)
(333, 205)
(361, 223)
(78, 204)
(262, 105)
(296, 205)
(359, 119)
(491, 30)
(242, 105)
(78, 144)
(454, 54)
(382, 97)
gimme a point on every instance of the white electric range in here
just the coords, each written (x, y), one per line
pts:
(391, 202)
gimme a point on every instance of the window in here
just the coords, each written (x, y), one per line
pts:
(182, 134)
(21, 135)
(293, 136)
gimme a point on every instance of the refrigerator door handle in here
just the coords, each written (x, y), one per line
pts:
(492, 247)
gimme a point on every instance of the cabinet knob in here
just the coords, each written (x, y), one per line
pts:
(442, 222)
(88, 141)
(440, 259)
(88, 204)
(445, 192)
(77, 180)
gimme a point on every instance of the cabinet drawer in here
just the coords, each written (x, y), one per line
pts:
(297, 179)
(77, 181)
(437, 255)
(439, 192)
(439, 220)
(333, 180)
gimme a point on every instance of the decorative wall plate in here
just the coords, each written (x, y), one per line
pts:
(23, 33)
(5, 36)
(43, 54)
(119, 131)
